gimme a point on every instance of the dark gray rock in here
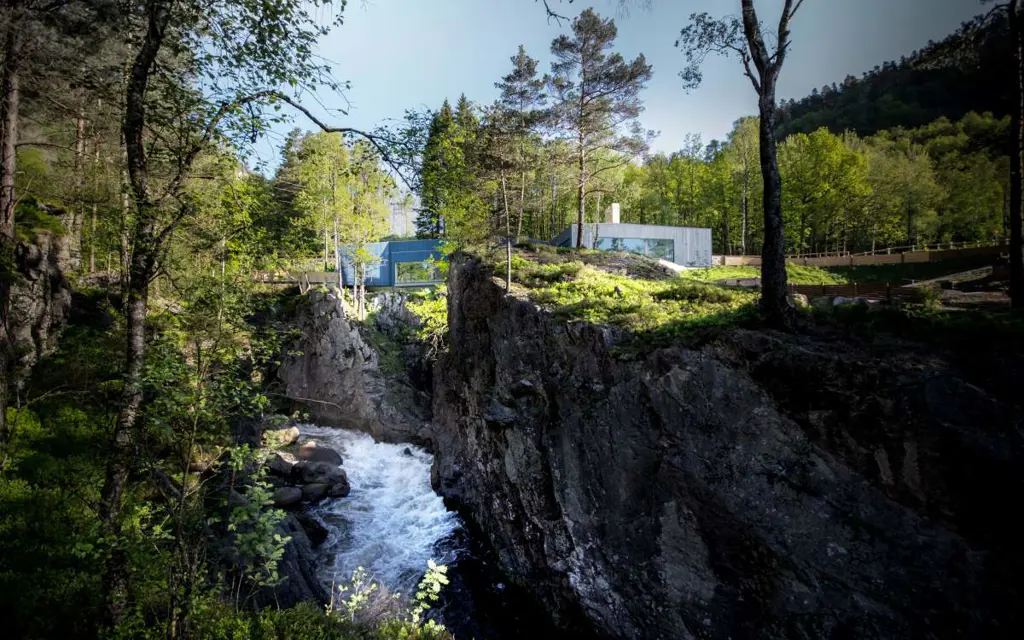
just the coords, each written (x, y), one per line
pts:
(340, 488)
(315, 530)
(765, 486)
(287, 496)
(314, 492)
(297, 569)
(312, 452)
(317, 472)
(339, 381)
(40, 298)
(281, 464)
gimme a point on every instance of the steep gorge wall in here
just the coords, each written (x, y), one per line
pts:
(764, 486)
(334, 374)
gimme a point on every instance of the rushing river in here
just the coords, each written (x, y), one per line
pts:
(392, 523)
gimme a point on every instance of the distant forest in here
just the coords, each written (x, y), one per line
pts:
(967, 71)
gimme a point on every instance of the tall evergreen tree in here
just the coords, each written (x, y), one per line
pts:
(440, 156)
(516, 116)
(597, 102)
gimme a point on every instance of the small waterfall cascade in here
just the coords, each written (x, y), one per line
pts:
(392, 522)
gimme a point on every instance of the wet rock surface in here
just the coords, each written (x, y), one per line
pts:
(335, 375)
(763, 486)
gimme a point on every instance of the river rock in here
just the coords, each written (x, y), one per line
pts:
(314, 529)
(287, 496)
(281, 464)
(317, 472)
(340, 489)
(314, 453)
(277, 438)
(314, 492)
(297, 569)
(695, 497)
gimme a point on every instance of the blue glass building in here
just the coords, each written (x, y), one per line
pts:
(397, 263)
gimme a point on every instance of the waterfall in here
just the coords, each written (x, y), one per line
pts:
(392, 523)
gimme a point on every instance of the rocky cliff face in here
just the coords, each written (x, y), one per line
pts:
(40, 299)
(764, 486)
(335, 375)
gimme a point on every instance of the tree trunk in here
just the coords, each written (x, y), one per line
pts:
(508, 238)
(144, 250)
(78, 211)
(774, 303)
(1016, 197)
(9, 105)
(581, 193)
(743, 204)
(92, 219)
(522, 206)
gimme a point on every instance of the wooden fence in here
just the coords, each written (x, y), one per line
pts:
(858, 260)
(871, 290)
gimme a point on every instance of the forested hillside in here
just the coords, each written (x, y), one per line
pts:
(967, 71)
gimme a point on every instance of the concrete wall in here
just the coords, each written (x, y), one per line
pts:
(692, 244)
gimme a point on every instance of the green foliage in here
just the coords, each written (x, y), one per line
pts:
(964, 72)
(431, 309)
(796, 274)
(30, 218)
(654, 310)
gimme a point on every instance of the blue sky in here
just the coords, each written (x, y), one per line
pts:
(400, 54)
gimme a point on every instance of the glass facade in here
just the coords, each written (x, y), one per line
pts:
(416, 272)
(664, 248)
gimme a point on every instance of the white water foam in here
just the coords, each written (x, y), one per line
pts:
(391, 523)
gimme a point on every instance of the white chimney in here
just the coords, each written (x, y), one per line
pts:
(611, 214)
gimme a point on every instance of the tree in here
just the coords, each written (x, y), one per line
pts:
(518, 112)
(323, 196)
(242, 81)
(762, 66)
(597, 102)
(371, 189)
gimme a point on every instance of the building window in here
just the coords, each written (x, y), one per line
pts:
(415, 272)
(663, 248)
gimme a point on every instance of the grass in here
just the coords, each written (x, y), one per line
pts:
(892, 273)
(597, 287)
(902, 273)
(797, 274)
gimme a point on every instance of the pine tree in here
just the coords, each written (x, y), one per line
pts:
(597, 101)
(438, 160)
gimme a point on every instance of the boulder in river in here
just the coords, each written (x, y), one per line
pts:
(287, 496)
(313, 453)
(317, 472)
(315, 492)
(341, 488)
(281, 464)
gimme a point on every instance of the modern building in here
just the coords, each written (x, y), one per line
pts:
(685, 246)
(397, 263)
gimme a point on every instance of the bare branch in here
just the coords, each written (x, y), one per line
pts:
(557, 17)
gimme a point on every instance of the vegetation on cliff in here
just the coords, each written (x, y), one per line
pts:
(623, 290)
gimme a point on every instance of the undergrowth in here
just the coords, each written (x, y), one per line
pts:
(796, 274)
(651, 309)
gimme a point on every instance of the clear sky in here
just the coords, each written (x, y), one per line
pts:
(400, 54)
